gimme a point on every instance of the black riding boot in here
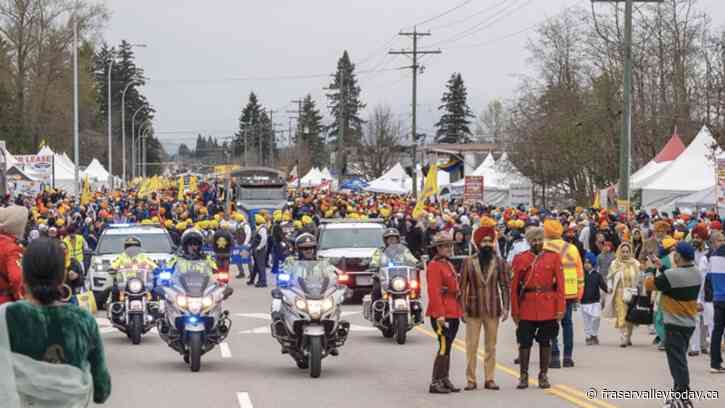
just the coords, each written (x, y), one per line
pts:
(436, 385)
(544, 361)
(524, 354)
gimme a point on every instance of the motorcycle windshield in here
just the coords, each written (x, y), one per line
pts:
(394, 261)
(312, 278)
(193, 276)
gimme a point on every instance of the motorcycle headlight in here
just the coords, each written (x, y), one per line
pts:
(134, 286)
(398, 284)
(327, 304)
(301, 304)
(195, 305)
(182, 301)
(207, 302)
(314, 308)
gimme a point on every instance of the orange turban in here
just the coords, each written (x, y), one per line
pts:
(553, 229)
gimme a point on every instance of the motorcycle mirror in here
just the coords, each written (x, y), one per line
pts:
(425, 258)
(228, 292)
(349, 294)
(276, 293)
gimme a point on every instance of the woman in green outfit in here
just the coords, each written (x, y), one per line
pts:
(49, 339)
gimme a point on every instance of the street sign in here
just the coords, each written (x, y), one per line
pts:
(473, 189)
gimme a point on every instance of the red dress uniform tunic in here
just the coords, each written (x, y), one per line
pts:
(547, 281)
(11, 274)
(442, 274)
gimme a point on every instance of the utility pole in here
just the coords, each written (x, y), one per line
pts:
(298, 137)
(415, 53)
(625, 139)
(339, 155)
(76, 141)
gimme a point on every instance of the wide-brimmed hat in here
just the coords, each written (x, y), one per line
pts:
(443, 238)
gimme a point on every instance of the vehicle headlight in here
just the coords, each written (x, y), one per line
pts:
(301, 304)
(182, 301)
(207, 302)
(134, 286)
(98, 263)
(327, 304)
(314, 308)
(398, 284)
(195, 304)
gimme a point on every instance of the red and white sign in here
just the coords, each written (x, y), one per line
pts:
(30, 159)
(473, 188)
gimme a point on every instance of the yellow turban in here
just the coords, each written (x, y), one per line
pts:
(553, 229)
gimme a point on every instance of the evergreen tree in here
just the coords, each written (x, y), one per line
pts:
(345, 100)
(251, 130)
(453, 125)
(310, 130)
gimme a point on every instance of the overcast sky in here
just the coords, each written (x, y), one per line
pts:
(196, 48)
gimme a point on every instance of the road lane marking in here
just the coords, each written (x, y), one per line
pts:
(263, 316)
(257, 330)
(566, 393)
(244, 400)
(224, 348)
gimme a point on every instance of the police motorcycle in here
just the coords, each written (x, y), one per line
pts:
(194, 320)
(400, 308)
(133, 309)
(306, 312)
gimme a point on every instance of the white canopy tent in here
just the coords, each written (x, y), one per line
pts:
(671, 151)
(313, 178)
(691, 172)
(96, 172)
(699, 200)
(394, 181)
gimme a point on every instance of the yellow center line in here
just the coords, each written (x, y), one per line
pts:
(564, 392)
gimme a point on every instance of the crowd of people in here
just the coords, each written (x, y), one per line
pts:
(537, 266)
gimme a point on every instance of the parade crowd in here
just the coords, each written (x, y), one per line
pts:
(663, 270)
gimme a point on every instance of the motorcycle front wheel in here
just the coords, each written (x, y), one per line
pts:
(315, 356)
(135, 327)
(401, 328)
(195, 351)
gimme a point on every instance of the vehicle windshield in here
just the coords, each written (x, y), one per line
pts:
(351, 238)
(394, 255)
(312, 277)
(150, 243)
(193, 276)
(311, 270)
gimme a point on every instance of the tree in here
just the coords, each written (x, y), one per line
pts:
(184, 151)
(345, 105)
(311, 138)
(453, 125)
(255, 138)
(380, 145)
(37, 39)
(491, 124)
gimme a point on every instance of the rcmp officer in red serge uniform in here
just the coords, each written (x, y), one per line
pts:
(537, 303)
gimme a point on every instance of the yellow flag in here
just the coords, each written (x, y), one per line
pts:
(86, 195)
(596, 205)
(430, 188)
(192, 184)
(180, 194)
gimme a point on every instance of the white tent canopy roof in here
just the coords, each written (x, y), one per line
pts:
(313, 178)
(394, 181)
(96, 171)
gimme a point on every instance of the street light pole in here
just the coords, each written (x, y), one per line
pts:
(76, 137)
(142, 131)
(110, 142)
(133, 145)
(123, 127)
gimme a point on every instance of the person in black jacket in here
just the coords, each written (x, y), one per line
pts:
(594, 282)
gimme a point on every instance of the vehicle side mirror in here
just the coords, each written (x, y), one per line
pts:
(349, 294)
(227, 292)
(276, 293)
(425, 258)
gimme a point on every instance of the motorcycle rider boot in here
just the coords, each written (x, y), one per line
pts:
(524, 354)
(446, 375)
(436, 385)
(544, 364)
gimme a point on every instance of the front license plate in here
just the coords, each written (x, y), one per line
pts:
(364, 280)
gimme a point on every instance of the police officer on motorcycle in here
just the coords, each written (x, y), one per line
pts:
(131, 256)
(391, 236)
(191, 242)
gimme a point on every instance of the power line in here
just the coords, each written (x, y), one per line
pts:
(270, 78)
(463, 20)
(487, 23)
(514, 34)
(445, 13)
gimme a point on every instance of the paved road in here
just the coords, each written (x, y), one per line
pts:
(371, 371)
